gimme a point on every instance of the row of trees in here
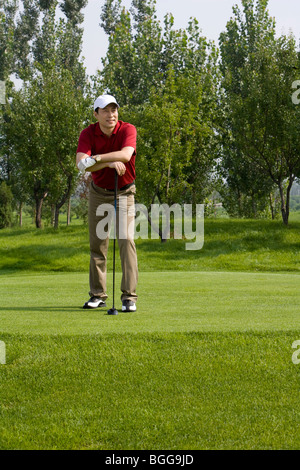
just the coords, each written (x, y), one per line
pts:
(208, 118)
(41, 121)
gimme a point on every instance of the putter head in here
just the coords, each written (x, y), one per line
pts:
(112, 311)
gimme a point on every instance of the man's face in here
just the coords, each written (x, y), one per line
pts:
(107, 118)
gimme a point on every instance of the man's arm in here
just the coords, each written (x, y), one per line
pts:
(123, 155)
(84, 161)
(106, 159)
(80, 157)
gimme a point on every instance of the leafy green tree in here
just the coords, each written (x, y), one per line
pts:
(36, 37)
(166, 82)
(163, 125)
(244, 193)
(258, 71)
(65, 110)
(147, 42)
(44, 137)
(6, 198)
(26, 28)
(118, 75)
(8, 10)
(110, 16)
(39, 143)
(173, 144)
(132, 63)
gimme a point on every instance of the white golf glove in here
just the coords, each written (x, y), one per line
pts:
(86, 163)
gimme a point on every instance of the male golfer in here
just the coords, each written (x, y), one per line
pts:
(107, 146)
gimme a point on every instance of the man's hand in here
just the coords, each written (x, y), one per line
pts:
(85, 163)
(118, 166)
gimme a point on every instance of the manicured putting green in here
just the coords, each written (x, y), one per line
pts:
(51, 303)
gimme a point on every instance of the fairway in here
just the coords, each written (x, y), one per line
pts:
(205, 363)
(168, 302)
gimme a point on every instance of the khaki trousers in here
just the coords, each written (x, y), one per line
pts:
(99, 241)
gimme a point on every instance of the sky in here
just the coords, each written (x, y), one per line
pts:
(211, 14)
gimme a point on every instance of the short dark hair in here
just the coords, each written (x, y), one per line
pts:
(96, 110)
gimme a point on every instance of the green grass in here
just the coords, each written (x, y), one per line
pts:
(168, 302)
(205, 362)
(158, 391)
(229, 245)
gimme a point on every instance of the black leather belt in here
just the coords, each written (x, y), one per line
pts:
(120, 189)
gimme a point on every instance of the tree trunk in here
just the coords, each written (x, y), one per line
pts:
(38, 212)
(240, 211)
(21, 214)
(271, 206)
(64, 198)
(52, 214)
(56, 216)
(69, 212)
(254, 213)
(285, 201)
(168, 181)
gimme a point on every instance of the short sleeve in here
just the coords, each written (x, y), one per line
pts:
(85, 142)
(129, 137)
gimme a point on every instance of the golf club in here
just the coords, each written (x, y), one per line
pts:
(113, 310)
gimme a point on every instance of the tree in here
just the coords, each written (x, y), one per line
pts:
(166, 83)
(258, 70)
(44, 137)
(118, 75)
(173, 144)
(110, 16)
(52, 100)
(8, 11)
(132, 63)
(244, 193)
(5, 205)
(25, 30)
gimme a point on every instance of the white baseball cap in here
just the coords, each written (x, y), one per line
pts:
(104, 100)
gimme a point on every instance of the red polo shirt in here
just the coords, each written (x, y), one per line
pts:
(92, 141)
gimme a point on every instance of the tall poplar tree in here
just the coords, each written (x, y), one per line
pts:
(258, 71)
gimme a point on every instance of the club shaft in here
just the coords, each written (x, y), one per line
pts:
(115, 230)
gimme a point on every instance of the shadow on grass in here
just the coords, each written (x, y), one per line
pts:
(64, 310)
(43, 308)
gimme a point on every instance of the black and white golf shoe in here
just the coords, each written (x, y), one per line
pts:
(94, 302)
(128, 306)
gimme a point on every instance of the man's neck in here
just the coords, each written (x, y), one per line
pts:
(107, 131)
